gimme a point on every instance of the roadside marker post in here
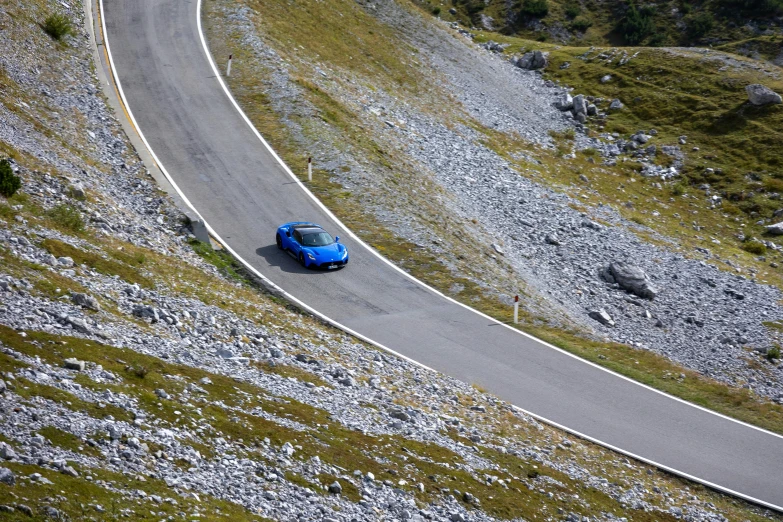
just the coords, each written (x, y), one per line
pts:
(228, 67)
(310, 169)
(516, 309)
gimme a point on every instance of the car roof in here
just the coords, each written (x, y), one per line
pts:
(308, 228)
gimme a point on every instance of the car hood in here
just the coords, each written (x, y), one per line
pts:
(332, 252)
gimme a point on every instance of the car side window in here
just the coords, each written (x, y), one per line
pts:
(297, 237)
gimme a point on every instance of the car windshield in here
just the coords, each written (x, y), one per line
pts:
(316, 239)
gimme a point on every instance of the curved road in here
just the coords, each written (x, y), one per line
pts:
(244, 193)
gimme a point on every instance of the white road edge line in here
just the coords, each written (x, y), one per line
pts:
(358, 335)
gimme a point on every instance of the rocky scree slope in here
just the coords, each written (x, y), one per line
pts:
(139, 381)
(702, 317)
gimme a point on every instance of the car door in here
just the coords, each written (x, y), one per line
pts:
(296, 242)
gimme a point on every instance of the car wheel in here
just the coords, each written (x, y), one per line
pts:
(279, 241)
(302, 260)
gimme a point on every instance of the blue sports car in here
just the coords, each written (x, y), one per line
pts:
(311, 245)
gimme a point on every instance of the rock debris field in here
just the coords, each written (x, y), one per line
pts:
(140, 382)
(706, 319)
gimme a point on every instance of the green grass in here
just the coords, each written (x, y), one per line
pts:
(29, 390)
(226, 264)
(117, 503)
(99, 263)
(68, 441)
(343, 34)
(287, 370)
(67, 217)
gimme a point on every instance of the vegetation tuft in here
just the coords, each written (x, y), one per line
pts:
(58, 26)
(67, 217)
(754, 247)
(535, 8)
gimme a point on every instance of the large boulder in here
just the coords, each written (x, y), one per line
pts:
(7, 476)
(630, 278)
(761, 95)
(565, 103)
(87, 301)
(776, 229)
(580, 105)
(616, 105)
(533, 60)
(602, 317)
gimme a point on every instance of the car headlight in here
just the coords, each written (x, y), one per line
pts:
(345, 254)
(311, 256)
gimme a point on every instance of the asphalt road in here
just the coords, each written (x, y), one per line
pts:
(244, 194)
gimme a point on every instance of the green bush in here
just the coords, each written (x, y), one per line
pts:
(436, 11)
(67, 217)
(678, 189)
(473, 7)
(57, 26)
(573, 10)
(754, 247)
(535, 8)
(637, 24)
(9, 182)
(700, 25)
(773, 353)
(581, 24)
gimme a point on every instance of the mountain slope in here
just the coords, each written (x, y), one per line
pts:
(145, 377)
(756, 23)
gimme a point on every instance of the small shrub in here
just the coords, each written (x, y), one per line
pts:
(700, 25)
(535, 8)
(590, 152)
(773, 353)
(67, 217)
(573, 10)
(754, 247)
(9, 182)
(678, 189)
(57, 26)
(436, 11)
(773, 185)
(568, 134)
(637, 24)
(581, 24)
(139, 371)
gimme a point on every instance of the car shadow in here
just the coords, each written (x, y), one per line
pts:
(285, 261)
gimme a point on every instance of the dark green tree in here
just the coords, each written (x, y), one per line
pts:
(9, 182)
(535, 8)
(637, 24)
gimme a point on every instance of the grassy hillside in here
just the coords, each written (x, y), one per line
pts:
(621, 22)
(733, 150)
